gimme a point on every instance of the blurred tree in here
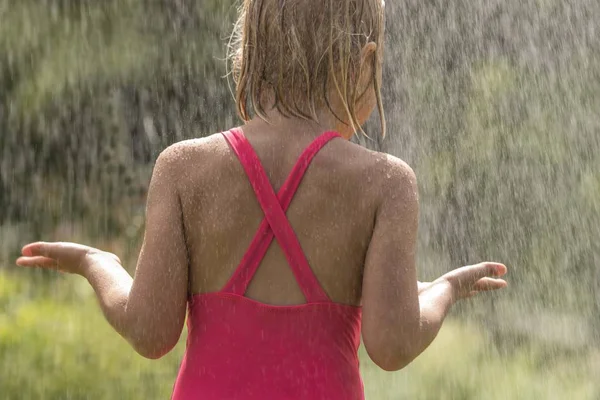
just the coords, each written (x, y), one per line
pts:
(91, 92)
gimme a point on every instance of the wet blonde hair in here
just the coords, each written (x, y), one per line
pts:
(298, 50)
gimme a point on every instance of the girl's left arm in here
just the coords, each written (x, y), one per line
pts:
(148, 310)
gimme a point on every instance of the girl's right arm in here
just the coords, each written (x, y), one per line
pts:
(400, 317)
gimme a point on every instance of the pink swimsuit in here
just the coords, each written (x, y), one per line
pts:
(238, 348)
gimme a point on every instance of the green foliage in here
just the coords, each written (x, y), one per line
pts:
(90, 92)
(55, 50)
(462, 364)
(61, 348)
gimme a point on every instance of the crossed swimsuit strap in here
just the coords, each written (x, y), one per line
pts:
(275, 224)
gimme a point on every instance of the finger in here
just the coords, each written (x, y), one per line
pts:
(37, 261)
(33, 249)
(474, 273)
(487, 284)
(499, 269)
(58, 250)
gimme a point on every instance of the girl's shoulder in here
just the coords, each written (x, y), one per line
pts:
(379, 164)
(190, 151)
(376, 175)
(194, 146)
(191, 162)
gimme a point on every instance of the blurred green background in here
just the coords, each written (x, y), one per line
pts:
(495, 104)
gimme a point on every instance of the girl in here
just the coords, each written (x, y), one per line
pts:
(285, 240)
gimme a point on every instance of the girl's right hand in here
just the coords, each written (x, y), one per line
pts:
(468, 281)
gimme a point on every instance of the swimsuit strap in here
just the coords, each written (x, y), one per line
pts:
(275, 223)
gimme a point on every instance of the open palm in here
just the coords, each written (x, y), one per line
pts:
(62, 256)
(468, 281)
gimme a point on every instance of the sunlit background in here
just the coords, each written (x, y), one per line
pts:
(495, 104)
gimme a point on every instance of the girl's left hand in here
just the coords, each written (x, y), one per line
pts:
(66, 257)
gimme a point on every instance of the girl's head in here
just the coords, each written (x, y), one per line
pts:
(304, 57)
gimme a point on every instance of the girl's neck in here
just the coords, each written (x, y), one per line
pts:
(295, 126)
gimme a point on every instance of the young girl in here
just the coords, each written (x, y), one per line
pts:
(285, 240)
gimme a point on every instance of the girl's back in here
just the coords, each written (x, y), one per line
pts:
(332, 214)
(259, 322)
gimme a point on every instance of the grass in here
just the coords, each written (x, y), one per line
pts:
(55, 344)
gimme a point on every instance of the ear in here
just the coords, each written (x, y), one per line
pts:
(368, 51)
